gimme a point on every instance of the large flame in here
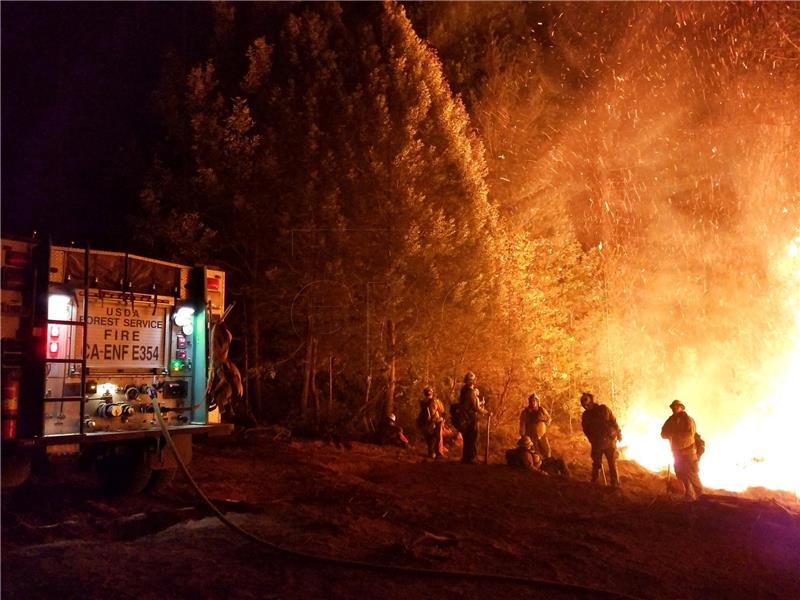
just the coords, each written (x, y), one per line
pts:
(761, 447)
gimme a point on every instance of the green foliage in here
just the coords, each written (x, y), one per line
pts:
(343, 188)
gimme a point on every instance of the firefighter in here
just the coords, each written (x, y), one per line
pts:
(524, 455)
(468, 409)
(431, 422)
(681, 431)
(603, 433)
(390, 433)
(533, 422)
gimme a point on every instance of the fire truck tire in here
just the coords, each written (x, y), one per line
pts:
(160, 480)
(16, 471)
(125, 473)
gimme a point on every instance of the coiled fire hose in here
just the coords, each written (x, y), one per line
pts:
(366, 566)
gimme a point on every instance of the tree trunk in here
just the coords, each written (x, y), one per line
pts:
(248, 391)
(255, 385)
(252, 353)
(330, 387)
(315, 393)
(367, 423)
(391, 346)
(500, 407)
(306, 372)
(254, 333)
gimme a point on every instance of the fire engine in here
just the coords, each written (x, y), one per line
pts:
(92, 342)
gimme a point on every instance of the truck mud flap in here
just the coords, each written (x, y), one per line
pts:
(163, 458)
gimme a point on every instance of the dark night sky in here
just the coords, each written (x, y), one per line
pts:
(76, 124)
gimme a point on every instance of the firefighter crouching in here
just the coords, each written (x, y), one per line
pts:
(603, 433)
(390, 433)
(525, 456)
(681, 431)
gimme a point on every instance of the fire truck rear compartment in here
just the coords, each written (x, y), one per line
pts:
(108, 336)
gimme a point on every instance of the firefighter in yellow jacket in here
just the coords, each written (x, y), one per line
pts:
(680, 430)
(431, 422)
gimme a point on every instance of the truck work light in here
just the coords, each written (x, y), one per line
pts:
(183, 316)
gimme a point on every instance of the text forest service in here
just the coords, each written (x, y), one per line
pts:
(120, 336)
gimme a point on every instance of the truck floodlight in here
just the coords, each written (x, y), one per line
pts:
(187, 329)
(183, 316)
(58, 307)
(106, 388)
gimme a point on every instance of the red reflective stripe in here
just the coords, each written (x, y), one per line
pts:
(17, 259)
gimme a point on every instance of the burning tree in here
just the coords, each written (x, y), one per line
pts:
(670, 134)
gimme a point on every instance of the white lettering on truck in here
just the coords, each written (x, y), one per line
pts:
(119, 336)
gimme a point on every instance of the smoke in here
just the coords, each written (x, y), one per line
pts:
(683, 161)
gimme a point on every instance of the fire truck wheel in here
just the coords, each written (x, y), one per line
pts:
(16, 471)
(160, 480)
(124, 473)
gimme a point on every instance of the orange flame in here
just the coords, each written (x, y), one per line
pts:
(761, 447)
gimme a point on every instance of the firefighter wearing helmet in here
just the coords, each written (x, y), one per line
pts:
(390, 433)
(603, 433)
(431, 422)
(681, 431)
(524, 455)
(533, 422)
(469, 408)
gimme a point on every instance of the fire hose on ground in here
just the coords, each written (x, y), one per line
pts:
(366, 566)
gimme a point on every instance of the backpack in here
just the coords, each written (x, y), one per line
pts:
(424, 421)
(699, 445)
(456, 415)
(512, 457)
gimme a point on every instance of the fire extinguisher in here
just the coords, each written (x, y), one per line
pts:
(10, 403)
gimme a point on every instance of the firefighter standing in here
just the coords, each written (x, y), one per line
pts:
(431, 422)
(469, 407)
(533, 422)
(680, 430)
(601, 429)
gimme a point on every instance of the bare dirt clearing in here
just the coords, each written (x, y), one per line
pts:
(390, 506)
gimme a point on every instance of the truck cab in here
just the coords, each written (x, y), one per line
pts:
(95, 342)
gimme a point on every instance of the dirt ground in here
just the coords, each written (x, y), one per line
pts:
(61, 537)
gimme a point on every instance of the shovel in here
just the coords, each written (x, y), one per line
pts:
(488, 432)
